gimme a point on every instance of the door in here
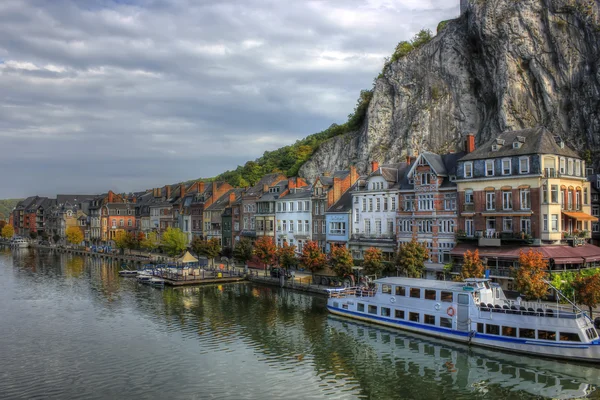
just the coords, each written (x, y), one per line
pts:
(462, 315)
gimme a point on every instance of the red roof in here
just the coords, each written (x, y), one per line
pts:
(561, 254)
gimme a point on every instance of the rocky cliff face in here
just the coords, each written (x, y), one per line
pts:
(503, 65)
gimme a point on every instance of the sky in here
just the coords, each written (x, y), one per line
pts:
(133, 94)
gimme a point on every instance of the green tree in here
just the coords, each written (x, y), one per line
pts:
(266, 251)
(373, 261)
(208, 248)
(174, 241)
(150, 242)
(74, 235)
(587, 289)
(312, 257)
(243, 251)
(472, 266)
(341, 261)
(411, 257)
(33, 235)
(531, 276)
(8, 231)
(55, 238)
(287, 256)
(422, 37)
(124, 240)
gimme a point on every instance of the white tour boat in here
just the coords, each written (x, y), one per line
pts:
(476, 312)
(19, 243)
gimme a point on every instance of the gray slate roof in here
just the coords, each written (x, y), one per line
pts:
(344, 204)
(537, 141)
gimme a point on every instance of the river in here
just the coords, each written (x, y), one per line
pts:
(71, 328)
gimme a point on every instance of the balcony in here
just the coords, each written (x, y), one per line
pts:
(373, 236)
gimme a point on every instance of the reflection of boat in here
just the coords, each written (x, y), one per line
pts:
(19, 243)
(471, 368)
(474, 312)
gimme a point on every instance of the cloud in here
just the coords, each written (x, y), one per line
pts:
(126, 95)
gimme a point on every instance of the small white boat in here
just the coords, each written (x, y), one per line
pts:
(128, 272)
(476, 312)
(144, 278)
(19, 243)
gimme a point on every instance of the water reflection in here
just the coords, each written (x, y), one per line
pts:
(107, 334)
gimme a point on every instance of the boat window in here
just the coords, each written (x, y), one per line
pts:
(386, 289)
(509, 331)
(400, 291)
(415, 292)
(413, 316)
(492, 329)
(479, 327)
(569, 337)
(546, 335)
(446, 297)
(399, 314)
(336, 304)
(430, 294)
(445, 322)
(372, 309)
(463, 299)
(527, 333)
(429, 319)
(345, 306)
(385, 312)
(591, 333)
(360, 307)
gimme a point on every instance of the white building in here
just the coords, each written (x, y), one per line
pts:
(293, 216)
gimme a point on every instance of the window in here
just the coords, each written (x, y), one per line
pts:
(335, 228)
(447, 226)
(307, 227)
(492, 329)
(409, 202)
(399, 314)
(283, 207)
(468, 170)
(370, 204)
(479, 327)
(430, 294)
(425, 179)
(278, 207)
(385, 312)
(524, 165)
(562, 166)
(315, 226)
(578, 167)
(406, 225)
(545, 194)
(507, 200)
(569, 336)
(378, 227)
(429, 319)
(425, 202)
(463, 299)
(378, 204)
(372, 309)
(570, 165)
(525, 199)
(367, 226)
(364, 204)
(547, 335)
(596, 211)
(450, 202)
(527, 333)
(490, 200)
(300, 206)
(400, 291)
(489, 167)
(415, 292)
(469, 196)
(130, 223)
(506, 166)
(121, 222)
(554, 194)
(446, 322)
(284, 224)
(360, 307)
(299, 226)
(385, 204)
(307, 206)
(356, 215)
(413, 316)
(509, 331)
(446, 297)
(585, 196)
(393, 207)
(526, 225)
(469, 227)
(545, 223)
(386, 289)
(507, 224)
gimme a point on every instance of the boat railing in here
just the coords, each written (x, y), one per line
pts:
(352, 291)
(533, 309)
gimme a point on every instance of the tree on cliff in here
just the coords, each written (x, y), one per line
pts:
(74, 235)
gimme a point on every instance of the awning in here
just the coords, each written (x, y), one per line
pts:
(561, 254)
(580, 216)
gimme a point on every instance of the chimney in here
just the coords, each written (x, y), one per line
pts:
(470, 143)
(337, 191)
(134, 199)
(291, 184)
(168, 191)
(214, 189)
(353, 175)
(111, 196)
(200, 187)
(374, 166)
(265, 188)
(182, 188)
(231, 197)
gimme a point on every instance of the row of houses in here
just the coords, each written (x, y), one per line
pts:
(522, 189)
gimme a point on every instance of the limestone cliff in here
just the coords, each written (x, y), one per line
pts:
(502, 65)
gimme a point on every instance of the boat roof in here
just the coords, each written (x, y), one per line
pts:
(427, 283)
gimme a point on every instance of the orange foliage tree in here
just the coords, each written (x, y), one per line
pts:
(312, 257)
(341, 261)
(531, 276)
(587, 289)
(287, 256)
(265, 250)
(472, 266)
(373, 261)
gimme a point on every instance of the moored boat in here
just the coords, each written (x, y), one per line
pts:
(475, 312)
(19, 243)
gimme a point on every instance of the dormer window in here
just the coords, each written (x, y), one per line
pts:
(496, 147)
(500, 142)
(425, 179)
(517, 145)
(489, 167)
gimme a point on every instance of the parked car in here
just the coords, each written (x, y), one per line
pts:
(277, 272)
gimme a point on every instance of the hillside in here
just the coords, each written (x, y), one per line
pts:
(503, 65)
(6, 207)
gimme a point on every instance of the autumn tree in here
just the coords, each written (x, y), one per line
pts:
(124, 240)
(8, 231)
(373, 261)
(531, 275)
(74, 235)
(472, 266)
(312, 257)
(411, 257)
(341, 261)
(286, 255)
(265, 250)
(174, 241)
(2, 224)
(587, 290)
(243, 250)
(150, 242)
(208, 248)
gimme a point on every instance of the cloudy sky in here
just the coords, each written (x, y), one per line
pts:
(131, 94)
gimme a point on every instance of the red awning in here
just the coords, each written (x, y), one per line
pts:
(560, 254)
(580, 216)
